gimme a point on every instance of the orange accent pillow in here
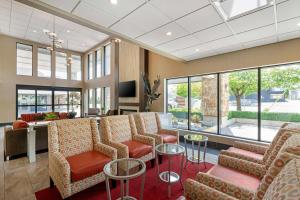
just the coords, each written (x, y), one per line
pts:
(20, 124)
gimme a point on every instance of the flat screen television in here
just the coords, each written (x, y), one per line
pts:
(127, 89)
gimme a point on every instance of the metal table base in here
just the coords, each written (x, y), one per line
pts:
(195, 158)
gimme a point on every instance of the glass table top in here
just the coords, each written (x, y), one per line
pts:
(124, 168)
(195, 137)
(170, 149)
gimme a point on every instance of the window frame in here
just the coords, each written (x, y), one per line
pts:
(52, 89)
(17, 58)
(259, 76)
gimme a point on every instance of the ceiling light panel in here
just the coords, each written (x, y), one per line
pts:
(200, 20)
(123, 7)
(145, 19)
(213, 33)
(178, 8)
(258, 19)
(288, 9)
(66, 5)
(164, 34)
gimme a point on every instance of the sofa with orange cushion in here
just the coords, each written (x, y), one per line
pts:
(31, 117)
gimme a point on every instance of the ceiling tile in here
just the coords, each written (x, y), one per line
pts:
(288, 10)
(177, 8)
(119, 10)
(144, 19)
(196, 49)
(289, 36)
(255, 20)
(230, 48)
(201, 19)
(179, 43)
(213, 33)
(91, 13)
(199, 55)
(66, 5)
(159, 35)
(260, 42)
(289, 25)
(256, 34)
(223, 43)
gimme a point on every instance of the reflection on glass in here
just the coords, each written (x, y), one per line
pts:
(60, 97)
(76, 68)
(280, 98)
(24, 59)
(107, 50)
(239, 105)
(90, 66)
(42, 109)
(204, 103)
(44, 97)
(25, 110)
(99, 63)
(99, 98)
(107, 99)
(91, 98)
(61, 65)
(26, 97)
(178, 102)
(60, 108)
(44, 63)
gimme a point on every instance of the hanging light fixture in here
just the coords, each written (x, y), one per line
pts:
(56, 42)
(69, 58)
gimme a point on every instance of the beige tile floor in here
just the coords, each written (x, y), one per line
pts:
(19, 179)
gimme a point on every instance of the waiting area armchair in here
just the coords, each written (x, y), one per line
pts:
(120, 132)
(149, 124)
(76, 156)
(234, 179)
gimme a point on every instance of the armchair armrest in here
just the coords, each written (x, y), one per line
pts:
(194, 190)
(59, 171)
(144, 139)
(260, 149)
(240, 156)
(106, 150)
(248, 167)
(225, 187)
(122, 149)
(170, 132)
(158, 139)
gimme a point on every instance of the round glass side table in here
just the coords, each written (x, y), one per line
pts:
(169, 176)
(123, 170)
(195, 138)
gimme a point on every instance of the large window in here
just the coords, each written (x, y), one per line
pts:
(251, 104)
(90, 66)
(41, 99)
(61, 70)
(44, 63)
(24, 59)
(76, 68)
(99, 98)
(106, 99)
(107, 53)
(91, 98)
(98, 63)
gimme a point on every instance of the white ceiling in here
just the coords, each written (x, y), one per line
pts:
(198, 30)
(24, 22)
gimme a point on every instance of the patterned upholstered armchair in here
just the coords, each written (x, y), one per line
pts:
(149, 124)
(280, 179)
(76, 156)
(120, 132)
(262, 154)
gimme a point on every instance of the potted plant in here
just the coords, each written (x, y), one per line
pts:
(151, 92)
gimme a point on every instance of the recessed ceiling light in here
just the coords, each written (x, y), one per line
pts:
(271, 2)
(196, 50)
(114, 2)
(298, 24)
(68, 31)
(34, 31)
(169, 33)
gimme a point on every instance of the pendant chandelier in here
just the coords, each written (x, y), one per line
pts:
(56, 43)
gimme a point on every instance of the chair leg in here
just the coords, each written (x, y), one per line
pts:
(51, 183)
(113, 184)
(152, 163)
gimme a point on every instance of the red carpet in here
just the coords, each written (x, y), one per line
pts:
(153, 189)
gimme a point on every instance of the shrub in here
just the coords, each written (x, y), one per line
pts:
(272, 116)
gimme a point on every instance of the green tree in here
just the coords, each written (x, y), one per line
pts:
(196, 89)
(242, 83)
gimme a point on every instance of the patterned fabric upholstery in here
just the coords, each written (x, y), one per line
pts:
(149, 124)
(280, 180)
(119, 130)
(68, 138)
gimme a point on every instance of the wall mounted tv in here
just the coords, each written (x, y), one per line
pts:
(127, 89)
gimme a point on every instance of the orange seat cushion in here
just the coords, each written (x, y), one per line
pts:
(168, 138)
(246, 153)
(137, 149)
(20, 124)
(235, 177)
(86, 164)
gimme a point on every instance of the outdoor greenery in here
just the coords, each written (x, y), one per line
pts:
(196, 90)
(243, 83)
(183, 113)
(272, 116)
